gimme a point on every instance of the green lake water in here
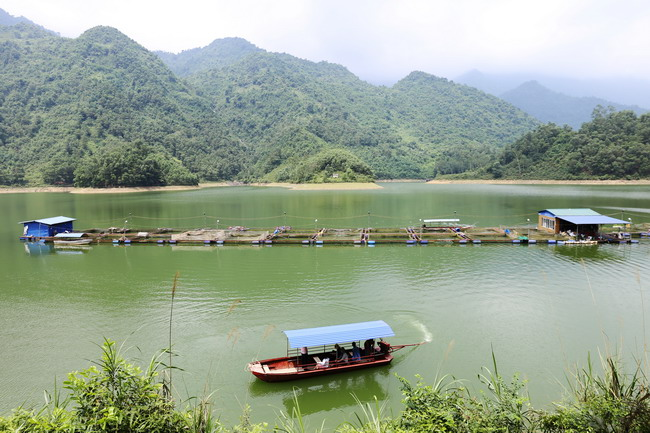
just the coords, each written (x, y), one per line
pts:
(541, 308)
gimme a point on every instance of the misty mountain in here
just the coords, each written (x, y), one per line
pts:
(549, 106)
(627, 91)
(220, 53)
(10, 20)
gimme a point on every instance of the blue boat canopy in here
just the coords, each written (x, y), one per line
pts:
(338, 334)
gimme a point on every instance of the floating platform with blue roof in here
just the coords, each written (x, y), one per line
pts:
(46, 227)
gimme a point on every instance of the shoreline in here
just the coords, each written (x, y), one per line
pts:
(323, 186)
(315, 186)
(539, 182)
(125, 190)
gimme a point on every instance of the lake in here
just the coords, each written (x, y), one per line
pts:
(540, 308)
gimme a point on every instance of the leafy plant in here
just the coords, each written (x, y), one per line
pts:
(114, 395)
(612, 402)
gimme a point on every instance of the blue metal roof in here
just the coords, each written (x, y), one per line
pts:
(50, 221)
(338, 334)
(592, 219)
(571, 212)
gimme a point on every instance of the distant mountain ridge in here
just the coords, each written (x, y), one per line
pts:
(549, 106)
(220, 53)
(10, 20)
(626, 91)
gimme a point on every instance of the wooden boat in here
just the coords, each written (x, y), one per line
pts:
(72, 243)
(320, 345)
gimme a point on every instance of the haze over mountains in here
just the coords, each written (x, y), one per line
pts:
(74, 110)
(554, 107)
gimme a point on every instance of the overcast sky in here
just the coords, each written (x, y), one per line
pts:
(383, 40)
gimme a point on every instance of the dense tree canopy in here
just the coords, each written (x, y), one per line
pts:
(289, 108)
(131, 164)
(62, 101)
(614, 145)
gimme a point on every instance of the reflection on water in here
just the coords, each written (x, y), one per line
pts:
(38, 248)
(338, 392)
(327, 393)
(582, 252)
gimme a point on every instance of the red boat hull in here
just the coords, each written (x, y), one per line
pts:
(284, 369)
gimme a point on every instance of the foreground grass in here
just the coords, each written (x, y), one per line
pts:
(116, 396)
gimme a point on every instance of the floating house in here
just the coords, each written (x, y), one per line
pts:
(581, 221)
(47, 227)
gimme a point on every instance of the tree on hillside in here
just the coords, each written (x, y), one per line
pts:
(614, 145)
(131, 164)
(333, 165)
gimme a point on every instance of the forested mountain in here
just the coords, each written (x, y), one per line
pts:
(549, 106)
(220, 53)
(291, 108)
(100, 110)
(64, 101)
(614, 145)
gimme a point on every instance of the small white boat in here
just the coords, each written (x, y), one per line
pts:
(580, 242)
(75, 242)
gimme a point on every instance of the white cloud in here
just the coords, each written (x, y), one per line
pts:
(383, 40)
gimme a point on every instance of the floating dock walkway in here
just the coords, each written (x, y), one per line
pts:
(285, 235)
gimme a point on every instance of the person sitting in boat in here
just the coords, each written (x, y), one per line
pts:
(341, 354)
(384, 347)
(356, 352)
(369, 347)
(322, 364)
(304, 356)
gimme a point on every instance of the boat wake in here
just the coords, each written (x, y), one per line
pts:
(427, 335)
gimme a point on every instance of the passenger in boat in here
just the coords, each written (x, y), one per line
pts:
(341, 354)
(304, 356)
(383, 347)
(369, 347)
(356, 352)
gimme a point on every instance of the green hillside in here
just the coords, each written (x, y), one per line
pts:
(614, 145)
(220, 53)
(100, 110)
(287, 108)
(62, 101)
